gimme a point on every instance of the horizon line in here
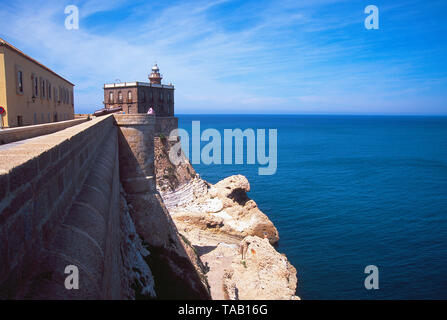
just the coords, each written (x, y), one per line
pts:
(314, 114)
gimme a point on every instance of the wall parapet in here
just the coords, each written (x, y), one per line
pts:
(21, 133)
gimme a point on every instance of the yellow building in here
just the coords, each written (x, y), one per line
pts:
(31, 93)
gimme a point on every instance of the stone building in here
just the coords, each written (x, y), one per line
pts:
(138, 97)
(31, 93)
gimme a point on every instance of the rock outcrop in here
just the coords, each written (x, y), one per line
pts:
(170, 177)
(178, 272)
(138, 281)
(218, 220)
(223, 209)
(262, 273)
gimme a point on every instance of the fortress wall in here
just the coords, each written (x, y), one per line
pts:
(27, 132)
(89, 236)
(39, 182)
(136, 145)
(164, 125)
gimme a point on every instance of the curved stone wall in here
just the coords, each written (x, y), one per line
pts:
(44, 182)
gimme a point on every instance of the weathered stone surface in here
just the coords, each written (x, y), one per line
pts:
(137, 279)
(261, 274)
(202, 209)
(165, 125)
(170, 177)
(223, 208)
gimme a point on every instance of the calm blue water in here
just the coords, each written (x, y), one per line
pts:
(351, 191)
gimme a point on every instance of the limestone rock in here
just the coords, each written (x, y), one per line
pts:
(263, 273)
(170, 177)
(138, 280)
(223, 207)
(217, 220)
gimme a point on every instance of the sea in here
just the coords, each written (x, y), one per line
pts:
(351, 192)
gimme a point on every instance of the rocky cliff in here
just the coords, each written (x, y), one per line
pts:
(227, 230)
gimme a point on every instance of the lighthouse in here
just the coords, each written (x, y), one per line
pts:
(138, 97)
(155, 76)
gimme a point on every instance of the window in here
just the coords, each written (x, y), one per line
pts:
(129, 96)
(35, 118)
(151, 96)
(55, 94)
(35, 86)
(60, 97)
(20, 81)
(42, 117)
(110, 97)
(49, 90)
(120, 96)
(161, 95)
(42, 88)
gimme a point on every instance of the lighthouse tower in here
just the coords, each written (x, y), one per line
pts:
(139, 97)
(155, 76)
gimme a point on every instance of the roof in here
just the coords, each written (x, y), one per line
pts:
(10, 46)
(136, 84)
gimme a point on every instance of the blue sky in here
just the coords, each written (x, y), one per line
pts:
(258, 56)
